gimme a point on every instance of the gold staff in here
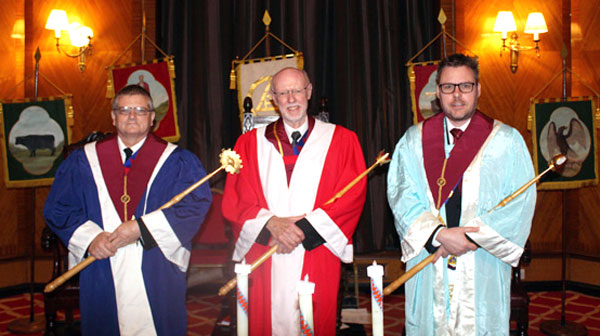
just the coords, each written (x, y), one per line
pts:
(556, 161)
(230, 161)
(382, 158)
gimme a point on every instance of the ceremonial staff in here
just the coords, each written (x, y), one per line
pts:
(382, 158)
(230, 161)
(556, 161)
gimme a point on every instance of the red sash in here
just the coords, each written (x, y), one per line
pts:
(289, 159)
(460, 158)
(138, 176)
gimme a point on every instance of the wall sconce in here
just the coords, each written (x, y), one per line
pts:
(80, 36)
(505, 22)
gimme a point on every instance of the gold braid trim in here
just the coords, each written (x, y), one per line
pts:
(441, 182)
(277, 138)
(125, 198)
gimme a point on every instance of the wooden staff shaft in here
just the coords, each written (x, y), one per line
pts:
(233, 282)
(87, 261)
(409, 274)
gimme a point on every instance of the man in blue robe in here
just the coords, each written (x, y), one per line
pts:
(104, 202)
(446, 174)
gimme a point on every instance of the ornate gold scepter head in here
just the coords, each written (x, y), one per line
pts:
(555, 162)
(382, 158)
(230, 161)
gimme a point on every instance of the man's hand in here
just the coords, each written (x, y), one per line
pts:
(454, 241)
(285, 233)
(440, 252)
(101, 247)
(127, 233)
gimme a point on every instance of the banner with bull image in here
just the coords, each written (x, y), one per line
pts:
(34, 135)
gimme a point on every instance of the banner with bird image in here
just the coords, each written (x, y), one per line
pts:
(565, 127)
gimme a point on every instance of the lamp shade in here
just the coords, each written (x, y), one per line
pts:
(18, 31)
(57, 20)
(80, 35)
(536, 25)
(505, 22)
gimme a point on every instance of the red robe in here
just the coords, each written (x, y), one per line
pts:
(330, 159)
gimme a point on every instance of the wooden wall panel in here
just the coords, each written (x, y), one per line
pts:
(12, 235)
(505, 96)
(116, 23)
(585, 47)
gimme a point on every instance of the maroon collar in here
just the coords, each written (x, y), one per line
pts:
(289, 159)
(138, 176)
(460, 158)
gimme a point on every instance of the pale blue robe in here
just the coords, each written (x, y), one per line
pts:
(481, 296)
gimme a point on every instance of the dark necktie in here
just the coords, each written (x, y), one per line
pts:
(456, 133)
(128, 153)
(295, 137)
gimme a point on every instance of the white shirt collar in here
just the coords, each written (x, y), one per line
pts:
(451, 126)
(289, 130)
(134, 148)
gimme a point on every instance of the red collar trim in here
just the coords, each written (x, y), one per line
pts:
(460, 158)
(139, 173)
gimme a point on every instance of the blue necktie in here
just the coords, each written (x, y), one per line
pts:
(128, 153)
(295, 136)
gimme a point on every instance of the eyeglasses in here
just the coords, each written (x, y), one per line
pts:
(126, 110)
(286, 93)
(464, 87)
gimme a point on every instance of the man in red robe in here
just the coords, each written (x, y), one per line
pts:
(292, 167)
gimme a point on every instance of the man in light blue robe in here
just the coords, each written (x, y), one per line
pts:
(441, 193)
(105, 204)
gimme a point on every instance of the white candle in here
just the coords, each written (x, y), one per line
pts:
(305, 292)
(242, 270)
(375, 272)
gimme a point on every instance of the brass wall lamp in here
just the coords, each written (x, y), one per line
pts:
(505, 22)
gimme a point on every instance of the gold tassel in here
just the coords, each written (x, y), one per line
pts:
(110, 88)
(171, 67)
(232, 79)
(300, 61)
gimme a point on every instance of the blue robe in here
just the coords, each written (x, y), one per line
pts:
(137, 291)
(475, 298)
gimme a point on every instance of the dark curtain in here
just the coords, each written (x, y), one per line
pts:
(354, 51)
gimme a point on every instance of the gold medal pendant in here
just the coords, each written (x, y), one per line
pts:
(125, 198)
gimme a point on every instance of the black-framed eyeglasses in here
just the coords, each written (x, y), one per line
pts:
(464, 87)
(126, 110)
(286, 93)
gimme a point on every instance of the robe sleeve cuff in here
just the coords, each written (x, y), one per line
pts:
(432, 244)
(161, 231)
(264, 236)
(146, 238)
(335, 240)
(500, 247)
(80, 241)
(250, 232)
(418, 234)
(312, 239)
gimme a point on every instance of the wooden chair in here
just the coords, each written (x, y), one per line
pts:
(519, 300)
(64, 298)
